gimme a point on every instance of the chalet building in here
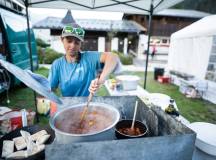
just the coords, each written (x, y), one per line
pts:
(166, 22)
(101, 35)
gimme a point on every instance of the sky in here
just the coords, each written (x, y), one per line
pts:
(37, 14)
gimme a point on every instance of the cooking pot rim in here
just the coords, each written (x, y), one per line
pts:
(103, 105)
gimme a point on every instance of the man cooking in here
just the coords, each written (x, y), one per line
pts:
(75, 72)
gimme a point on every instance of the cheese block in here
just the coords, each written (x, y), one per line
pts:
(8, 148)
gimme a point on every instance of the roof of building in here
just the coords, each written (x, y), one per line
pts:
(182, 13)
(68, 18)
(92, 25)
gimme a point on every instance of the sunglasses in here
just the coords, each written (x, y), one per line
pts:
(77, 31)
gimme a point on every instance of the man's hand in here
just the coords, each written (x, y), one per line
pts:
(95, 85)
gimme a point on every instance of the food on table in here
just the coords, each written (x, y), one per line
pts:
(38, 135)
(8, 148)
(42, 139)
(18, 155)
(20, 143)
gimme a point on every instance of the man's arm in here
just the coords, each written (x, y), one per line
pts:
(110, 61)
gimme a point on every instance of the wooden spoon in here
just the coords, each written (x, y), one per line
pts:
(85, 110)
(134, 116)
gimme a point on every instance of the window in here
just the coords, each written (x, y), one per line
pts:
(164, 41)
(211, 70)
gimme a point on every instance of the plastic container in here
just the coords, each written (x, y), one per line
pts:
(129, 82)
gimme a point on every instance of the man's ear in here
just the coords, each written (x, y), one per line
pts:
(62, 39)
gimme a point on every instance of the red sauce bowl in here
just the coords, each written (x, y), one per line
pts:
(122, 129)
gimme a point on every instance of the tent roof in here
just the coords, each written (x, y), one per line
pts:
(182, 13)
(125, 6)
(203, 27)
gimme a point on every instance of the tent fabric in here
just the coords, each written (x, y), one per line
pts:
(126, 6)
(187, 13)
(190, 48)
(204, 27)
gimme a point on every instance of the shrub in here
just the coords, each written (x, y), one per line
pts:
(41, 43)
(125, 59)
(47, 55)
(51, 55)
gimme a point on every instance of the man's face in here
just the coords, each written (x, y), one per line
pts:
(72, 45)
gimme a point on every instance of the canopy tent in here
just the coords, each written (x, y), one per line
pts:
(190, 48)
(126, 6)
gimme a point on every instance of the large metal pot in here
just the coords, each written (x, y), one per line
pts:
(104, 134)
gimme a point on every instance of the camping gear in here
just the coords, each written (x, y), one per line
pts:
(158, 72)
(163, 79)
(64, 117)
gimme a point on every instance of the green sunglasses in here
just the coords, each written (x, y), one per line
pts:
(76, 31)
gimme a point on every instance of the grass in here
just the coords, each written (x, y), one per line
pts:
(192, 109)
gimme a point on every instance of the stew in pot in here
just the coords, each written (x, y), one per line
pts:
(97, 119)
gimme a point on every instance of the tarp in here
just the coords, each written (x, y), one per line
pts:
(190, 47)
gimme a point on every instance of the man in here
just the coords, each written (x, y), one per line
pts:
(75, 73)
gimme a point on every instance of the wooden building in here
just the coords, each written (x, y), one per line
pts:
(168, 21)
(101, 35)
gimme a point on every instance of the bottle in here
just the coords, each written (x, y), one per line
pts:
(171, 109)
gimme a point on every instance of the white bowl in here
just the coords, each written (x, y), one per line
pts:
(129, 82)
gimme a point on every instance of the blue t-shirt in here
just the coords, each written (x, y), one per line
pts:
(74, 79)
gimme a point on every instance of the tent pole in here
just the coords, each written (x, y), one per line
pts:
(148, 46)
(30, 54)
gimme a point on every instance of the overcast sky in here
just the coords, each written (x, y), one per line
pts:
(37, 14)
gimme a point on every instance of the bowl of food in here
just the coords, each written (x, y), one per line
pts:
(123, 129)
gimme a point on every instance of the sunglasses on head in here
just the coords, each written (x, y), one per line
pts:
(77, 31)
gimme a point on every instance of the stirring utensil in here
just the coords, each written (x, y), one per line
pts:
(134, 116)
(85, 110)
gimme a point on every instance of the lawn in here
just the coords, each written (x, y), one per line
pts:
(192, 109)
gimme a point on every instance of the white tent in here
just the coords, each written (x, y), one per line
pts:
(190, 47)
(191, 50)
